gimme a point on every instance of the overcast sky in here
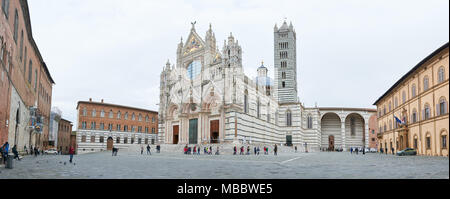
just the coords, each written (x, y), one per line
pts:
(348, 52)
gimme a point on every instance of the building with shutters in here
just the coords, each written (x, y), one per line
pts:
(420, 101)
(205, 98)
(102, 126)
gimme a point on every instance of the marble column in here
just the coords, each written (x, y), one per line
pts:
(343, 134)
(366, 132)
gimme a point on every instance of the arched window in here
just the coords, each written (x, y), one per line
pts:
(390, 124)
(426, 112)
(443, 140)
(83, 138)
(94, 113)
(441, 74)
(133, 117)
(126, 115)
(268, 112)
(414, 116)
(428, 141)
(118, 115)
(84, 111)
(246, 101)
(441, 108)
(425, 83)
(352, 126)
(111, 114)
(415, 144)
(390, 108)
(140, 117)
(384, 127)
(288, 118)
(283, 75)
(309, 122)
(258, 104)
(118, 140)
(395, 102)
(147, 118)
(102, 113)
(413, 90)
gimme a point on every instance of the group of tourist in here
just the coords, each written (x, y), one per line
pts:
(158, 149)
(195, 150)
(329, 149)
(256, 150)
(356, 150)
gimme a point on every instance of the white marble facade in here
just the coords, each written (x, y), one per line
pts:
(205, 97)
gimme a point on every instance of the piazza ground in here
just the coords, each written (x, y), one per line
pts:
(319, 165)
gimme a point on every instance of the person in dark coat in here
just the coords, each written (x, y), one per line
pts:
(275, 150)
(5, 150)
(148, 149)
(16, 154)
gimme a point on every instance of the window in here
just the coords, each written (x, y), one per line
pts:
(441, 74)
(111, 114)
(146, 129)
(16, 25)
(125, 128)
(352, 126)
(390, 107)
(268, 114)
(428, 142)
(385, 127)
(102, 113)
(5, 7)
(246, 101)
(283, 64)
(194, 69)
(444, 141)
(101, 139)
(126, 116)
(425, 83)
(132, 140)
(125, 140)
(102, 126)
(395, 102)
(288, 118)
(84, 111)
(390, 124)
(133, 117)
(94, 113)
(413, 90)
(309, 122)
(403, 97)
(83, 125)
(257, 109)
(118, 140)
(414, 116)
(25, 63)
(426, 112)
(153, 119)
(35, 80)
(146, 118)
(93, 138)
(110, 127)
(140, 117)
(133, 128)
(118, 115)
(139, 140)
(93, 125)
(21, 46)
(83, 138)
(146, 140)
(373, 132)
(139, 129)
(384, 110)
(442, 107)
(30, 71)
(118, 127)
(153, 130)
(283, 84)
(283, 75)
(415, 143)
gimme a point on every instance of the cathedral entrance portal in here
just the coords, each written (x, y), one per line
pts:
(193, 131)
(331, 143)
(175, 134)
(109, 144)
(214, 131)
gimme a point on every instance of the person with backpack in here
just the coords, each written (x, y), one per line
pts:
(15, 152)
(71, 152)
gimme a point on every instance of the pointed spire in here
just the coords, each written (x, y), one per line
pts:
(275, 28)
(210, 26)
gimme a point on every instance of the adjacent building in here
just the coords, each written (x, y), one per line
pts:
(102, 126)
(64, 136)
(25, 81)
(205, 97)
(420, 102)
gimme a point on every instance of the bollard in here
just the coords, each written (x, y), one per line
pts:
(9, 162)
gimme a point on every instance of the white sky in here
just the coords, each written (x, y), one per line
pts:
(349, 52)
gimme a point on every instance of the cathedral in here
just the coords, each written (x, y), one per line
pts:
(206, 98)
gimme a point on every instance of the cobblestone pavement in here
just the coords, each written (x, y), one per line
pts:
(323, 165)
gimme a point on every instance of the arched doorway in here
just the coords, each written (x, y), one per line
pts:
(354, 130)
(331, 126)
(109, 143)
(331, 143)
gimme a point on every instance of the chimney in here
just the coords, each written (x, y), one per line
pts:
(102, 100)
(90, 99)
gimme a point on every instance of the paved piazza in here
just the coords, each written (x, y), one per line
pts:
(321, 165)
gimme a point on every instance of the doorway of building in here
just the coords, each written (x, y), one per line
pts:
(109, 144)
(175, 134)
(288, 140)
(331, 143)
(193, 131)
(214, 131)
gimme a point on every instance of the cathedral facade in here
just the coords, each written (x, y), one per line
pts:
(205, 98)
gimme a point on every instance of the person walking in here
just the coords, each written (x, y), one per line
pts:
(25, 149)
(351, 150)
(217, 151)
(257, 150)
(142, 150)
(234, 150)
(71, 152)
(210, 150)
(148, 149)
(16, 154)
(195, 150)
(392, 149)
(36, 151)
(295, 149)
(248, 150)
(254, 150)
(5, 150)
(31, 150)
(364, 150)
(275, 149)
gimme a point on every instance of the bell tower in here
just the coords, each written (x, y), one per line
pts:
(285, 64)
